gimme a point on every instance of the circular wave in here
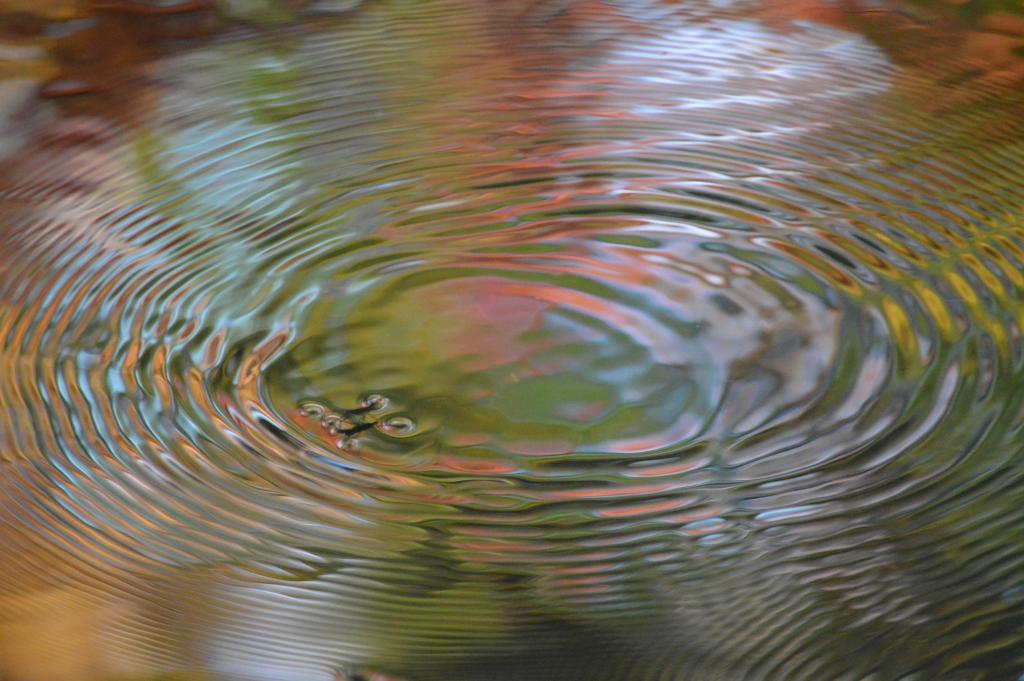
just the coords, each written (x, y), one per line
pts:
(599, 341)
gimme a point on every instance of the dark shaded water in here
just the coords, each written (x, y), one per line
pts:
(550, 341)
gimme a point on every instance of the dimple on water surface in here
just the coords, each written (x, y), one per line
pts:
(561, 341)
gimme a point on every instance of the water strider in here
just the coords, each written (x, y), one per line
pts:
(512, 340)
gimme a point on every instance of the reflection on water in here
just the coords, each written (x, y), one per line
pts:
(553, 340)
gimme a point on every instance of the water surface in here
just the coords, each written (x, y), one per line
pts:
(552, 340)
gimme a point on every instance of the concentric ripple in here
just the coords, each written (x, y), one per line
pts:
(559, 340)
